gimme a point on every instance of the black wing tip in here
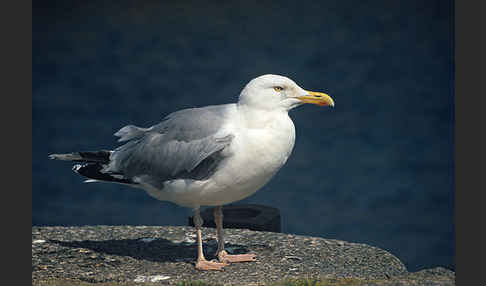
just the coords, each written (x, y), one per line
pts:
(94, 171)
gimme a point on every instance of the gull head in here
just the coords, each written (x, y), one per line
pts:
(272, 92)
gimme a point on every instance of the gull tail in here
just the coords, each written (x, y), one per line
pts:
(92, 166)
(102, 156)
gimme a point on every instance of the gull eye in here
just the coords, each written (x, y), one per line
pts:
(278, 88)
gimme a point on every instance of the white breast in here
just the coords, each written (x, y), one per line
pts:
(256, 155)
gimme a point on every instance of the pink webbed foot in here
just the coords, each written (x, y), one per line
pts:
(223, 256)
(210, 265)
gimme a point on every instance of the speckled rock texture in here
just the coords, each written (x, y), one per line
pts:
(166, 255)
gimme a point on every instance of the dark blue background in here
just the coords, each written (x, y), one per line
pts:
(376, 169)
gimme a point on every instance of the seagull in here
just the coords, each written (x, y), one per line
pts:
(207, 156)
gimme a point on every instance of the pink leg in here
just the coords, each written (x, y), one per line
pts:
(202, 263)
(222, 255)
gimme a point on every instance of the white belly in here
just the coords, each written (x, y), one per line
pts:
(255, 155)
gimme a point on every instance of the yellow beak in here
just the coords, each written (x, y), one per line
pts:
(318, 98)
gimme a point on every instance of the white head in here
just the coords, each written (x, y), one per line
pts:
(271, 92)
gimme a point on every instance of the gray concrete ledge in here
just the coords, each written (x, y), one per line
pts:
(166, 254)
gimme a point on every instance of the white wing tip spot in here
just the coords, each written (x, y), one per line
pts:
(77, 167)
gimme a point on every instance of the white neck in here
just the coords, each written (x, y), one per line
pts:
(252, 117)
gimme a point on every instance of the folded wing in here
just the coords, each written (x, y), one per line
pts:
(186, 144)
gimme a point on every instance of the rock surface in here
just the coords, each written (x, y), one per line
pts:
(166, 254)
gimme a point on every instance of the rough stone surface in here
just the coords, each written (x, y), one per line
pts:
(166, 255)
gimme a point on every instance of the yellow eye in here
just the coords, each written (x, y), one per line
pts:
(278, 88)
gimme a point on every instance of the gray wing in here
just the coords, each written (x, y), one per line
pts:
(186, 144)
